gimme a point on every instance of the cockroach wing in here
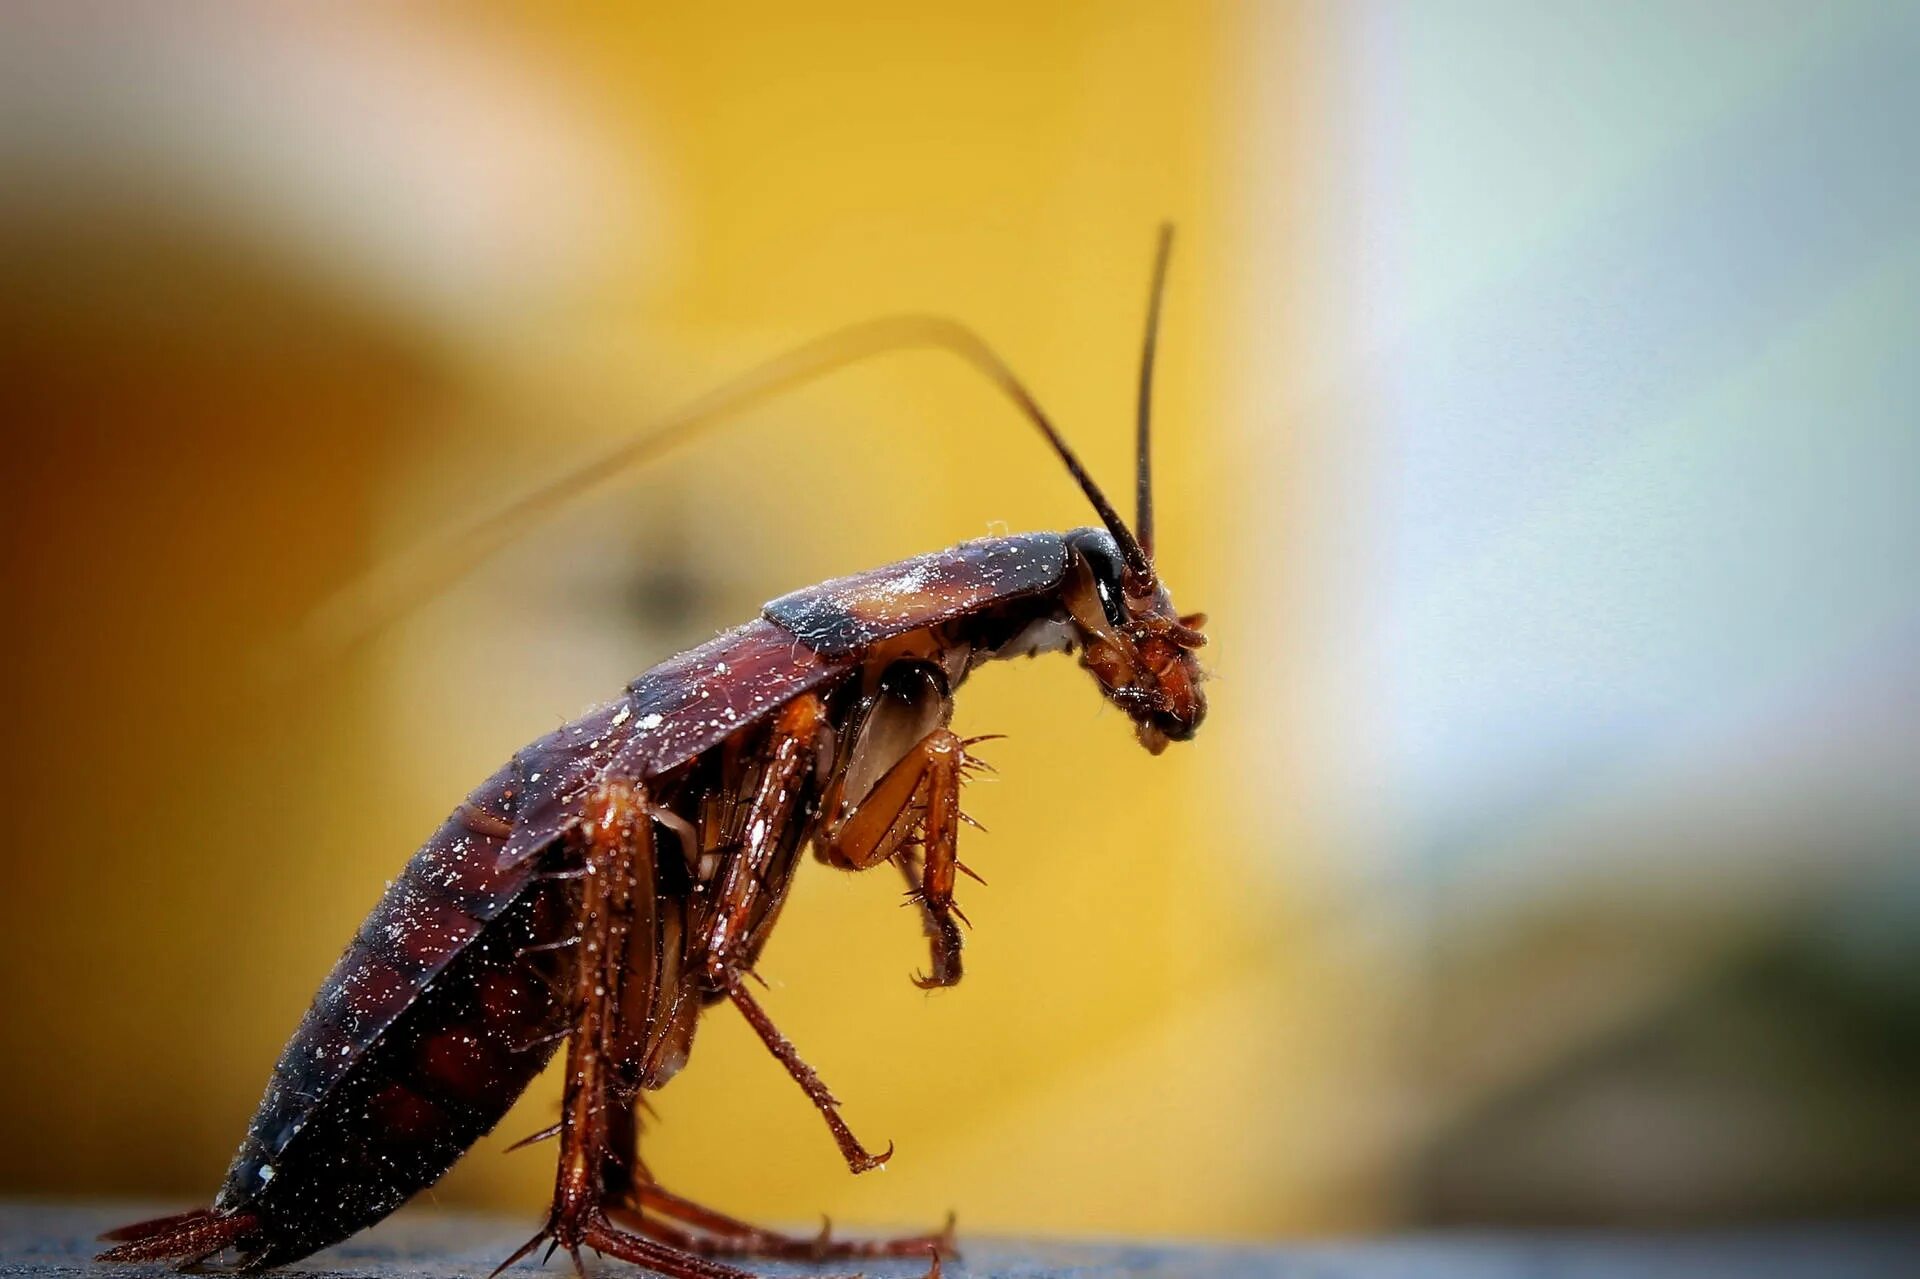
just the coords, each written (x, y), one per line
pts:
(840, 617)
(696, 700)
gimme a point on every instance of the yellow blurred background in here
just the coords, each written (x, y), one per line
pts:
(291, 289)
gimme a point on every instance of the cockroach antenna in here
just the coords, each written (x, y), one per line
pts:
(1143, 415)
(402, 582)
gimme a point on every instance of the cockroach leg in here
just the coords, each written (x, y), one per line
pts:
(637, 1202)
(618, 837)
(614, 828)
(645, 1196)
(788, 762)
(946, 755)
(789, 755)
(597, 1233)
(734, 1237)
(675, 1263)
(716, 1234)
(857, 1157)
(925, 783)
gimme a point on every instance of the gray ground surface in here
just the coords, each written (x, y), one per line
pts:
(46, 1239)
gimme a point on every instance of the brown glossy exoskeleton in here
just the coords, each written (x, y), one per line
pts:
(620, 876)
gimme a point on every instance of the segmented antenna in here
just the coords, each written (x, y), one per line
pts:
(390, 590)
(1143, 414)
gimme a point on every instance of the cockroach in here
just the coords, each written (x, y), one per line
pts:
(621, 875)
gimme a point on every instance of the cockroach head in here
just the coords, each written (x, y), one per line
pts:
(1136, 646)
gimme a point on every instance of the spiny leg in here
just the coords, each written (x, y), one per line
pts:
(858, 1158)
(619, 840)
(923, 788)
(618, 837)
(749, 888)
(649, 1207)
(946, 755)
(635, 1200)
(750, 884)
(932, 1248)
(602, 1237)
(747, 892)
